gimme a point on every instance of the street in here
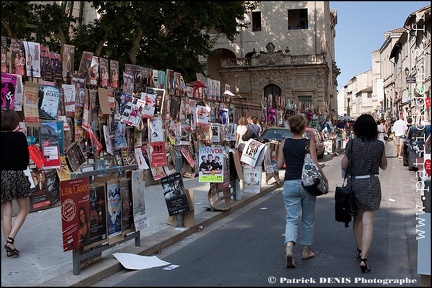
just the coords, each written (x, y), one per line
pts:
(246, 248)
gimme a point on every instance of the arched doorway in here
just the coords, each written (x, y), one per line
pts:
(270, 104)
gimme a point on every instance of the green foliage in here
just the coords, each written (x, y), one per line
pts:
(155, 34)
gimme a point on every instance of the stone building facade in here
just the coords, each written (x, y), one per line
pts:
(286, 56)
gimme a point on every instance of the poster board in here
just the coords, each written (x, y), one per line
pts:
(175, 194)
(188, 217)
(74, 195)
(98, 215)
(114, 211)
(127, 221)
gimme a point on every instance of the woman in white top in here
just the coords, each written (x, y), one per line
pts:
(382, 131)
(241, 129)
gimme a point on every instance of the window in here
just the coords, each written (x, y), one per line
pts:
(297, 19)
(369, 95)
(306, 100)
(256, 21)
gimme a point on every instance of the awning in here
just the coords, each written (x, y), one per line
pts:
(229, 93)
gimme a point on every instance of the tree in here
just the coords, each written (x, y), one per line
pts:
(154, 34)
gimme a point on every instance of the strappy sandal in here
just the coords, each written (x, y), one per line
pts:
(359, 254)
(10, 252)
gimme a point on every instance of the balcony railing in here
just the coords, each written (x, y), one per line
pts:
(268, 60)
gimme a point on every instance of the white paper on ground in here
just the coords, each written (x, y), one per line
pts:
(137, 262)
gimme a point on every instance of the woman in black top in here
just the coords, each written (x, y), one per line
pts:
(299, 204)
(14, 183)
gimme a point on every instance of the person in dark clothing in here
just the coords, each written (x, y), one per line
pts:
(364, 156)
(14, 183)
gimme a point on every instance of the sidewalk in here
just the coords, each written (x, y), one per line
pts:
(43, 262)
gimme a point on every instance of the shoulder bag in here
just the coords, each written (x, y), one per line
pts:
(311, 178)
(345, 207)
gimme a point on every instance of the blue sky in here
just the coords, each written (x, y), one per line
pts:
(360, 30)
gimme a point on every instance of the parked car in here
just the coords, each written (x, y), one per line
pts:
(413, 147)
(280, 133)
(275, 133)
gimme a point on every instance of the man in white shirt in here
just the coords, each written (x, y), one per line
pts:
(399, 131)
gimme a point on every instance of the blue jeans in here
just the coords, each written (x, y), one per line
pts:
(299, 204)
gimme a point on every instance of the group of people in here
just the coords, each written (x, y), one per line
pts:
(210, 164)
(364, 157)
(244, 124)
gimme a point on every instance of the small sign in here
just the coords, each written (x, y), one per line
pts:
(411, 79)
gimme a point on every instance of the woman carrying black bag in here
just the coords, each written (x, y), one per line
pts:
(368, 155)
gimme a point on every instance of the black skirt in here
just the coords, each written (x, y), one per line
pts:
(14, 185)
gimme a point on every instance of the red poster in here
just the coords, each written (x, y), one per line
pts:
(158, 154)
(75, 212)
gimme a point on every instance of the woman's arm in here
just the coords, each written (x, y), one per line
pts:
(280, 160)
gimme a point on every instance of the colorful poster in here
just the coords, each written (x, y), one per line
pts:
(114, 74)
(210, 164)
(39, 197)
(98, 221)
(139, 211)
(69, 98)
(127, 221)
(75, 211)
(114, 208)
(49, 143)
(68, 60)
(17, 57)
(157, 154)
(202, 115)
(46, 67)
(9, 82)
(175, 194)
(30, 103)
(19, 94)
(148, 110)
(32, 52)
(4, 59)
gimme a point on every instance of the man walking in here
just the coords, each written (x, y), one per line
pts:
(399, 129)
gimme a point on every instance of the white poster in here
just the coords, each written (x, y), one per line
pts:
(139, 211)
(252, 177)
(253, 153)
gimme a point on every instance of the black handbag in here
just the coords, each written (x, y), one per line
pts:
(345, 206)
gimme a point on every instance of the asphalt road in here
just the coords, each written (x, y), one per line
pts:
(246, 248)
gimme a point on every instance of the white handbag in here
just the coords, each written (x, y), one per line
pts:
(311, 178)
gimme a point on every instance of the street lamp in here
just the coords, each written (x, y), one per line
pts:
(406, 71)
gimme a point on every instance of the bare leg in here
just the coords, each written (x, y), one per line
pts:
(6, 221)
(358, 228)
(368, 225)
(289, 255)
(23, 210)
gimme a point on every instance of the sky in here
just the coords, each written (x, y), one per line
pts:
(360, 30)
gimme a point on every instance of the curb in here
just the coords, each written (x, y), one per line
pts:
(150, 245)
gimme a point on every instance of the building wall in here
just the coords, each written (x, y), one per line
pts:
(298, 61)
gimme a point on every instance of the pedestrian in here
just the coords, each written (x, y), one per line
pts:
(299, 204)
(364, 155)
(399, 130)
(14, 183)
(241, 129)
(382, 131)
